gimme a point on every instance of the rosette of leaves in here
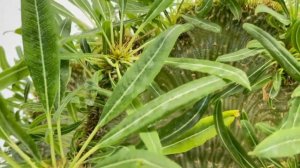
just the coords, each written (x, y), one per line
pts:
(135, 85)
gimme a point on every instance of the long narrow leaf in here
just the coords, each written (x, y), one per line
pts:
(238, 55)
(151, 141)
(293, 119)
(282, 143)
(198, 135)
(234, 7)
(184, 122)
(296, 92)
(230, 144)
(10, 125)
(203, 24)
(13, 75)
(265, 9)
(142, 72)
(277, 51)
(39, 36)
(296, 35)
(157, 7)
(3, 60)
(136, 158)
(162, 106)
(214, 68)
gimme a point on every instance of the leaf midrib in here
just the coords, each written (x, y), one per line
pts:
(138, 76)
(12, 73)
(158, 106)
(184, 125)
(187, 138)
(42, 55)
(200, 65)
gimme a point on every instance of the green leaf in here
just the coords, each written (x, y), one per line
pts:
(179, 125)
(103, 8)
(206, 6)
(157, 7)
(293, 119)
(238, 55)
(249, 132)
(203, 24)
(229, 142)
(265, 128)
(198, 135)
(282, 143)
(10, 125)
(277, 51)
(142, 72)
(87, 9)
(265, 9)
(211, 67)
(162, 106)
(136, 158)
(284, 7)
(65, 12)
(296, 35)
(3, 61)
(13, 75)
(65, 71)
(136, 7)
(9, 160)
(152, 141)
(40, 49)
(234, 7)
(277, 80)
(296, 92)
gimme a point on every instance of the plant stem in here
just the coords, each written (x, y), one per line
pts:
(86, 143)
(121, 28)
(59, 137)
(141, 47)
(134, 37)
(51, 139)
(86, 155)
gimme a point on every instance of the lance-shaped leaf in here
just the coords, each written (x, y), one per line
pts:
(282, 143)
(40, 48)
(296, 92)
(65, 12)
(151, 141)
(157, 7)
(238, 55)
(65, 30)
(265, 128)
(142, 72)
(198, 135)
(203, 24)
(211, 67)
(136, 158)
(293, 119)
(11, 127)
(277, 51)
(296, 35)
(3, 61)
(234, 7)
(162, 106)
(13, 75)
(284, 7)
(228, 140)
(265, 9)
(204, 8)
(177, 126)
